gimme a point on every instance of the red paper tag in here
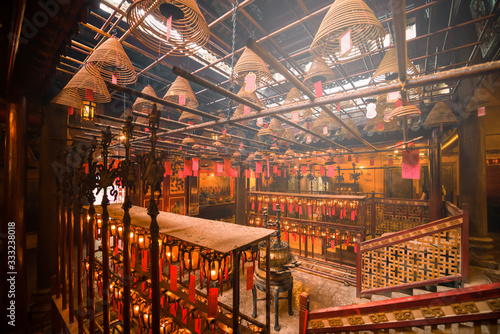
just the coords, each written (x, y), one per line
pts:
(195, 164)
(250, 82)
(173, 277)
(249, 278)
(260, 121)
(182, 99)
(161, 268)
(325, 130)
(338, 106)
(295, 116)
(300, 209)
(481, 111)
(332, 243)
(390, 161)
(322, 170)
(345, 43)
(294, 236)
(372, 162)
(169, 27)
(356, 160)
(318, 89)
(89, 94)
(392, 96)
(282, 207)
(331, 171)
(70, 111)
(168, 168)
(184, 315)
(304, 239)
(411, 165)
(246, 110)
(212, 302)
(258, 167)
(144, 265)
(353, 215)
(253, 206)
(197, 325)
(114, 79)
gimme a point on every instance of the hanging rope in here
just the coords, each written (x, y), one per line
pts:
(233, 48)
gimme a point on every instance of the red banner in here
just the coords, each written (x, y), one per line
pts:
(173, 277)
(249, 278)
(212, 302)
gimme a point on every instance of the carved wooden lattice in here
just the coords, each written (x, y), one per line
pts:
(394, 216)
(426, 254)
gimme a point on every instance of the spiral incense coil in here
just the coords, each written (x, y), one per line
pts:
(140, 103)
(367, 32)
(251, 63)
(181, 87)
(64, 99)
(408, 111)
(440, 115)
(83, 81)
(319, 71)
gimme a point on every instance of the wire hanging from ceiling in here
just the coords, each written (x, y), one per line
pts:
(233, 48)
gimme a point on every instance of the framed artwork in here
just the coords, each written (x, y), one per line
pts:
(177, 205)
(177, 185)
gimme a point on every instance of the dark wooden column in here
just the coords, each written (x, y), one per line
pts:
(435, 191)
(52, 143)
(240, 199)
(14, 215)
(472, 173)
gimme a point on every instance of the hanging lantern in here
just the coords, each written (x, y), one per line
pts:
(248, 66)
(214, 265)
(87, 112)
(166, 326)
(348, 31)
(111, 62)
(144, 241)
(191, 257)
(173, 27)
(172, 251)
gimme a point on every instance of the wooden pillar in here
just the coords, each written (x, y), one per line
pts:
(52, 143)
(303, 312)
(472, 173)
(14, 225)
(435, 191)
(240, 199)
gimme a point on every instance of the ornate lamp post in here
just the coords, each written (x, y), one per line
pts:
(152, 170)
(126, 174)
(107, 175)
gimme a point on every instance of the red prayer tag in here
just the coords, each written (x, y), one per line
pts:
(195, 164)
(212, 302)
(356, 159)
(294, 236)
(331, 171)
(182, 99)
(258, 167)
(338, 106)
(250, 82)
(169, 27)
(253, 206)
(168, 168)
(300, 210)
(161, 268)
(332, 243)
(411, 165)
(246, 110)
(345, 43)
(325, 130)
(372, 162)
(353, 216)
(249, 278)
(173, 277)
(304, 170)
(481, 111)
(390, 161)
(144, 265)
(184, 315)
(322, 170)
(114, 79)
(282, 207)
(260, 121)
(89, 94)
(318, 89)
(304, 239)
(392, 96)
(70, 111)
(197, 325)
(295, 116)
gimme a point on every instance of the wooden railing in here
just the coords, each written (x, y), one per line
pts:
(429, 254)
(478, 304)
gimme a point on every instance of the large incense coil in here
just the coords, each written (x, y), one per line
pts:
(287, 134)
(344, 133)
(140, 103)
(408, 111)
(275, 126)
(295, 96)
(367, 32)
(323, 120)
(251, 63)
(64, 99)
(109, 60)
(189, 31)
(181, 87)
(83, 81)
(481, 98)
(187, 117)
(319, 71)
(440, 115)
(378, 125)
(388, 68)
(249, 96)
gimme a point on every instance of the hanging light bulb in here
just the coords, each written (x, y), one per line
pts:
(371, 109)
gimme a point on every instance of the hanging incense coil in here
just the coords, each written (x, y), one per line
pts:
(64, 99)
(181, 88)
(251, 63)
(112, 63)
(295, 96)
(440, 115)
(188, 141)
(388, 68)
(276, 127)
(140, 103)
(408, 111)
(287, 134)
(344, 133)
(83, 81)
(367, 32)
(265, 131)
(187, 117)
(481, 98)
(251, 97)
(378, 125)
(148, 21)
(323, 120)
(319, 71)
